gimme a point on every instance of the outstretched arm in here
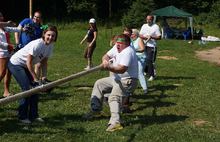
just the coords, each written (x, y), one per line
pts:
(7, 24)
(85, 37)
(17, 34)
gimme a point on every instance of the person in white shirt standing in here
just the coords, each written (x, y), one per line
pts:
(150, 32)
(6, 50)
(21, 66)
(122, 61)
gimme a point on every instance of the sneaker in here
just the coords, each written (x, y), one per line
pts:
(25, 121)
(114, 127)
(39, 120)
(151, 78)
(92, 114)
(87, 68)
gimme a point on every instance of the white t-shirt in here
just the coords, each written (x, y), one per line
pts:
(152, 30)
(126, 57)
(3, 40)
(37, 48)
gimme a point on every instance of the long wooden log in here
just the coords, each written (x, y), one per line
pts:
(46, 86)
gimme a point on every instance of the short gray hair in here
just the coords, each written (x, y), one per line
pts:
(135, 31)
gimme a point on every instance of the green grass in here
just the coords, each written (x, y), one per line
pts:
(186, 91)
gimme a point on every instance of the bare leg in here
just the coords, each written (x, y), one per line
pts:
(90, 62)
(7, 80)
(3, 67)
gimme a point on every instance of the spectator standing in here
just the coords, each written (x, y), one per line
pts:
(150, 32)
(33, 31)
(6, 49)
(90, 37)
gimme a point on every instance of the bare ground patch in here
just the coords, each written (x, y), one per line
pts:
(167, 57)
(212, 55)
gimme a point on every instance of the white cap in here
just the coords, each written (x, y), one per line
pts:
(92, 20)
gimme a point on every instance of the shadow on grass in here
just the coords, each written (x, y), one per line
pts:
(157, 99)
(162, 89)
(57, 123)
(144, 121)
(53, 95)
(174, 77)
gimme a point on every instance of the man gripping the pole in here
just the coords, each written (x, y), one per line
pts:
(122, 61)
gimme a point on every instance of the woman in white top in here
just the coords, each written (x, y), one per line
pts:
(21, 66)
(6, 50)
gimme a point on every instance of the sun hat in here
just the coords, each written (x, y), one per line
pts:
(92, 21)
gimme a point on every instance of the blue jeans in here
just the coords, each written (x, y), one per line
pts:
(28, 107)
(141, 77)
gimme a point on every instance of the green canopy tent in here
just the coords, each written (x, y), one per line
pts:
(171, 11)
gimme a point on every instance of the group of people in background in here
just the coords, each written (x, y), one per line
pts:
(131, 52)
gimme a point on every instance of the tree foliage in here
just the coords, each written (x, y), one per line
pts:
(135, 17)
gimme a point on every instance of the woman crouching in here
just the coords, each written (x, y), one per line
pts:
(21, 66)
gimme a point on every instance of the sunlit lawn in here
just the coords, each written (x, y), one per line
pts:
(182, 105)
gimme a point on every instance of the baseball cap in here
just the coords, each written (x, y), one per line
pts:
(92, 20)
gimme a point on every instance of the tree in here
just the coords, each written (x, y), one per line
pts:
(82, 6)
(215, 13)
(135, 17)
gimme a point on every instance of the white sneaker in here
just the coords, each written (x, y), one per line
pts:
(39, 120)
(25, 121)
(87, 68)
(151, 78)
(114, 127)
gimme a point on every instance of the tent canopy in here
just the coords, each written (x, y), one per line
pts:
(171, 11)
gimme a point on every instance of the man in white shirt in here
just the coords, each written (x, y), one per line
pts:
(150, 32)
(122, 61)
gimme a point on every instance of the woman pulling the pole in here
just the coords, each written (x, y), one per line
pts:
(21, 65)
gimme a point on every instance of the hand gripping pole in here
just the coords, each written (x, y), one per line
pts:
(47, 86)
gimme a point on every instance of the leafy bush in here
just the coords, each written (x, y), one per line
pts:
(215, 13)
(135, 17)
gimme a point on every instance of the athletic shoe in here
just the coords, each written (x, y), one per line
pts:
(151, 78)
(25, 121)
(39, 120)
(92, 114)
(114, 127)
(87, 68)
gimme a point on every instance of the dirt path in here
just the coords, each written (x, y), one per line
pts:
(212, 55)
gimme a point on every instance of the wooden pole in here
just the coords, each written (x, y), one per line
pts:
(30, 8)
(47, 86)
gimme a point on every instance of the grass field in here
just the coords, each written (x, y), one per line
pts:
(182, 105)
